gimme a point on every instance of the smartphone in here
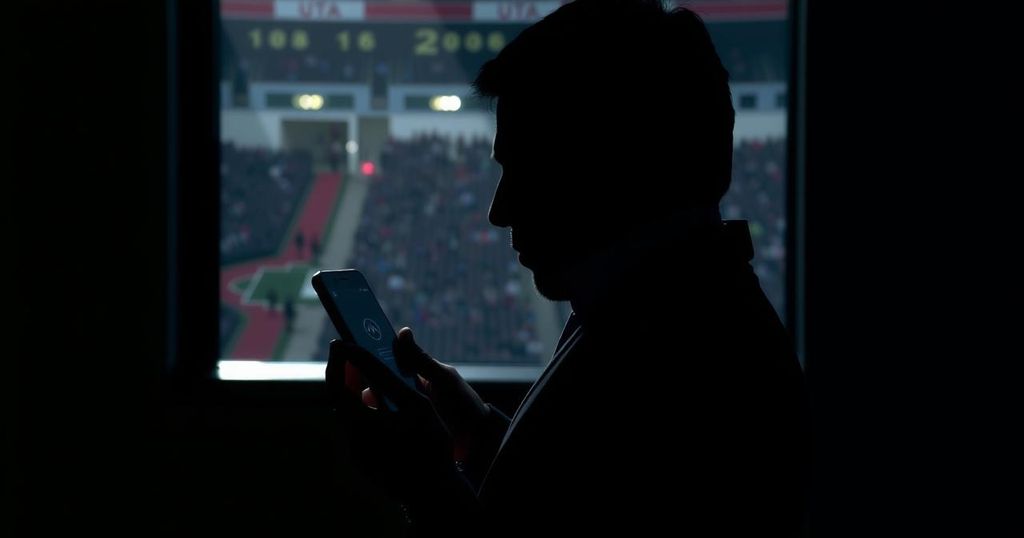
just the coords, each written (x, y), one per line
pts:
(358, 317)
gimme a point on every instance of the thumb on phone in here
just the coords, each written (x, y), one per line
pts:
(411, 358)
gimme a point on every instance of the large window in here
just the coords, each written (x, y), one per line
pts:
(350, 139)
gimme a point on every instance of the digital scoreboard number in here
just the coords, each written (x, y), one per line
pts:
(384, 40)
(414, 41)
(381, 41)
(416, 49)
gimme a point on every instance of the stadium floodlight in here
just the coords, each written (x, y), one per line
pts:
(308, 101)
(445, 103)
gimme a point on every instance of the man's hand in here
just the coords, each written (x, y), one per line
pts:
(458, 405)
(408, 449)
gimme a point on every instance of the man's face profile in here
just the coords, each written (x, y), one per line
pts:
(554, 194)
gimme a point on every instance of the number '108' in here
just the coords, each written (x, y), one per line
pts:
(426, 41)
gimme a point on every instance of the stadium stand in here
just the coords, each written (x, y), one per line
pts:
(758, 195)
(434, 260)
(260, 192)
(436, 264)
(229, 322)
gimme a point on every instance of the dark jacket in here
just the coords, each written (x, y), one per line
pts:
(674, 406)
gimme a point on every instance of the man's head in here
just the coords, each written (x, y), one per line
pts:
(610, 114)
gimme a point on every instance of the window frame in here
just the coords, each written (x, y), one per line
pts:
(193, 197)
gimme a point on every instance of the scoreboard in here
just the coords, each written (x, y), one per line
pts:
(465, 44)
(420, 41)
(345, 40)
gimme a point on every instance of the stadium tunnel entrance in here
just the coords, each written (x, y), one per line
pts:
(326, 140)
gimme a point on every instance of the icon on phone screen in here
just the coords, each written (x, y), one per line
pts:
(371, 328)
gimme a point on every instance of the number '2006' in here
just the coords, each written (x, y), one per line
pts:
(430, 42)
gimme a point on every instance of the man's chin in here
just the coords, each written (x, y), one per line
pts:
(551, 284)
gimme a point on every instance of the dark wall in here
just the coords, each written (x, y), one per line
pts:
(909, 220)
(87, 159)
(101, 437)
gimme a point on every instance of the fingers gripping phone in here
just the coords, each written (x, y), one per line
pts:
(358, 317)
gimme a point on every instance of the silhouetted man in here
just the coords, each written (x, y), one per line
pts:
(674, 401)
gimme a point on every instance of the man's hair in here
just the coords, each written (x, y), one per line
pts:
(654, 73)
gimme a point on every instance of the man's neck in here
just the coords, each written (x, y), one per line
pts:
(605, 274)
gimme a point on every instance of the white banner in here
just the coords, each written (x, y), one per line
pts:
(513, 11)
(320, 10)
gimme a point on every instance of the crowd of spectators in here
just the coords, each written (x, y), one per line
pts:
(433, 259)
(436, 264)
(229, 322)
(260, 192)
(758, 195)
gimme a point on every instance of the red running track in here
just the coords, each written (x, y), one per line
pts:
(261, 328)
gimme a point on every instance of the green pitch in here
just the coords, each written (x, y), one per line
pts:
(288, 282)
